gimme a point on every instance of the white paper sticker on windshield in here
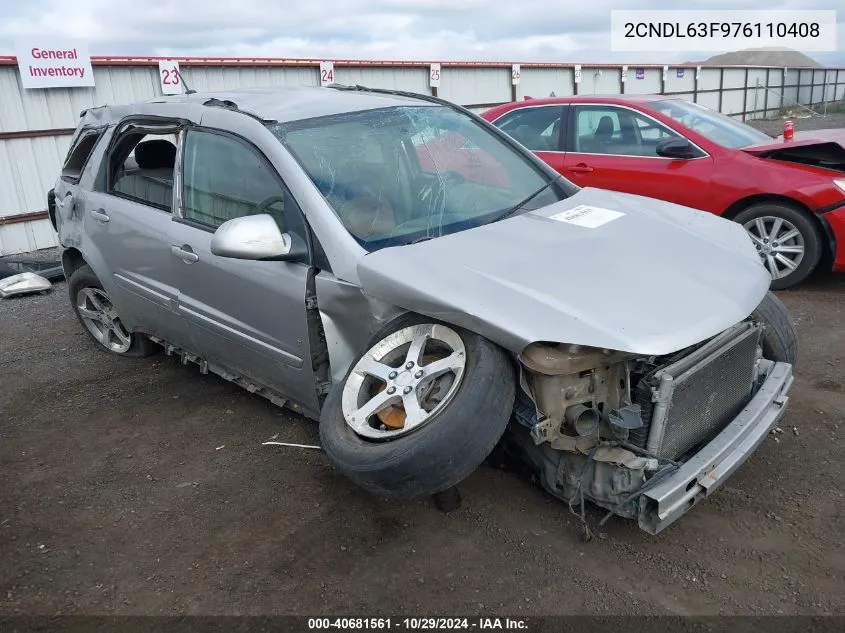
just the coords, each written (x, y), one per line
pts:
(586, 216)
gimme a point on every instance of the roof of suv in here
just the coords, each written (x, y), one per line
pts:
(294, 103)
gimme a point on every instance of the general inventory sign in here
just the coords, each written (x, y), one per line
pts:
(54, 63)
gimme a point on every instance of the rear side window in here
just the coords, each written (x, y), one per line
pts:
(141, 167)
(78, 155)
(537, 128)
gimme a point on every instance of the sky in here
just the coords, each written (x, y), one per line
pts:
(430, 30)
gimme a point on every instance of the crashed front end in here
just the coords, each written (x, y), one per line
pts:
(647, 438)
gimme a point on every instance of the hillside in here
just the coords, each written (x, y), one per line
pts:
(773, 56)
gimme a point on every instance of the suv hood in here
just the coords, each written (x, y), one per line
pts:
(601, 268)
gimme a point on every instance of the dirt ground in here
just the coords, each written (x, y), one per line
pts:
(803, 123)
(142, 487)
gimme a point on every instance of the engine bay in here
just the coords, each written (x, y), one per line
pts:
(605, 426)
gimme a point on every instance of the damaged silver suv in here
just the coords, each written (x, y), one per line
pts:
(400, 270)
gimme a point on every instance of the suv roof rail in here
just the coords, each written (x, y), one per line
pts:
(228, 104)
(87, 110)
(398, 93)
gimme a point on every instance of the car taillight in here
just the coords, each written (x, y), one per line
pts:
(51, 208)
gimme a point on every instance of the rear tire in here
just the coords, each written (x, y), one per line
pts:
(97, 314)
(780, 342)
(458, 434)
(767, 223)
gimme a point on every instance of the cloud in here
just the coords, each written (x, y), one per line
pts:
(495, 30)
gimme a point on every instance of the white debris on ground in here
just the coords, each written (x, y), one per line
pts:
(272, 442)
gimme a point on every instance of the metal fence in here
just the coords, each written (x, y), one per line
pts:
(36, 125)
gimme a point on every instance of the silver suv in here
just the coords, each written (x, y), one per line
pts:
(399, 269)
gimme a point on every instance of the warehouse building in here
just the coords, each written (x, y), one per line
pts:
(42, 97)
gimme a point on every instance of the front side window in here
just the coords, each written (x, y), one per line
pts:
(617, 131)
(714, 126)
(398, 174)
(538, 128)
(223, 178)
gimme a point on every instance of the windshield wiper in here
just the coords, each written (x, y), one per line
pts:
(521, 204)
(417, 240)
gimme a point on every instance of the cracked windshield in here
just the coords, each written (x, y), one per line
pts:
(404, 174)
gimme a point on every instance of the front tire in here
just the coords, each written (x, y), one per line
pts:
(787, 240)
(406, 423)
(780, 342)
(97, 314)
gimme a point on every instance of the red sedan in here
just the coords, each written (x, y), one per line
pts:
(789, 195)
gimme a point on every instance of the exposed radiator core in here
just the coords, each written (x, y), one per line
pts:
(687, 403)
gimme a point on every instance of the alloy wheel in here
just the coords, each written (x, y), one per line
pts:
(779, 244)
(403, 381)
(100, 317)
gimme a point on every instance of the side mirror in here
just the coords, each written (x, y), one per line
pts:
(676, 148)
(254, 237)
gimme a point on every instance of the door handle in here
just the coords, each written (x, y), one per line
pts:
(580, 168)
(185, 254)
(100, 215)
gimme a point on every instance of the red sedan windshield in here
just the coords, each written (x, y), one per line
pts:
(714, 126)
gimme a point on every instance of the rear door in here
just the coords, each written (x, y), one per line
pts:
(247, 316)
(127, 219)
(614, 147)
(539, 128)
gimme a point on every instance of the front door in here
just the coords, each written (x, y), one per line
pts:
(614, 147)
(247, 316)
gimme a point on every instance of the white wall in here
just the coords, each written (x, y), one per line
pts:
(28, 166)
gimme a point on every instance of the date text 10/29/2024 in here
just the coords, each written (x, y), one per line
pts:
(417, 624)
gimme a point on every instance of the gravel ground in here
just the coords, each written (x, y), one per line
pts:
(142, 487)
(43, 255)
(775, 126)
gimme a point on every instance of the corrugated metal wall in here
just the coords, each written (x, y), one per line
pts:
(649, 84)
(541, 82)
(35, 124)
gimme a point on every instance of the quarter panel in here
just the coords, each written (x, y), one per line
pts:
(743, 175)
(350, 318)
(836, 221)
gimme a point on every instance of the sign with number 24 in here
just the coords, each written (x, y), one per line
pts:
(326, 73)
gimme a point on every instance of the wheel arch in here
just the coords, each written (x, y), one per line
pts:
(827, 239)
(447, 448)
(72, 260)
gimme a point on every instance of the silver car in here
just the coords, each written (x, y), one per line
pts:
(395, 267)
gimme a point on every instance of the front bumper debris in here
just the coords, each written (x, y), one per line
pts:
(23, 284)
(697, 478)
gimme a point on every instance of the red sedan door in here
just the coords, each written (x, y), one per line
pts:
(614, 147)
(539, 129)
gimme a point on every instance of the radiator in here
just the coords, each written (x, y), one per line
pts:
(691, 400)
